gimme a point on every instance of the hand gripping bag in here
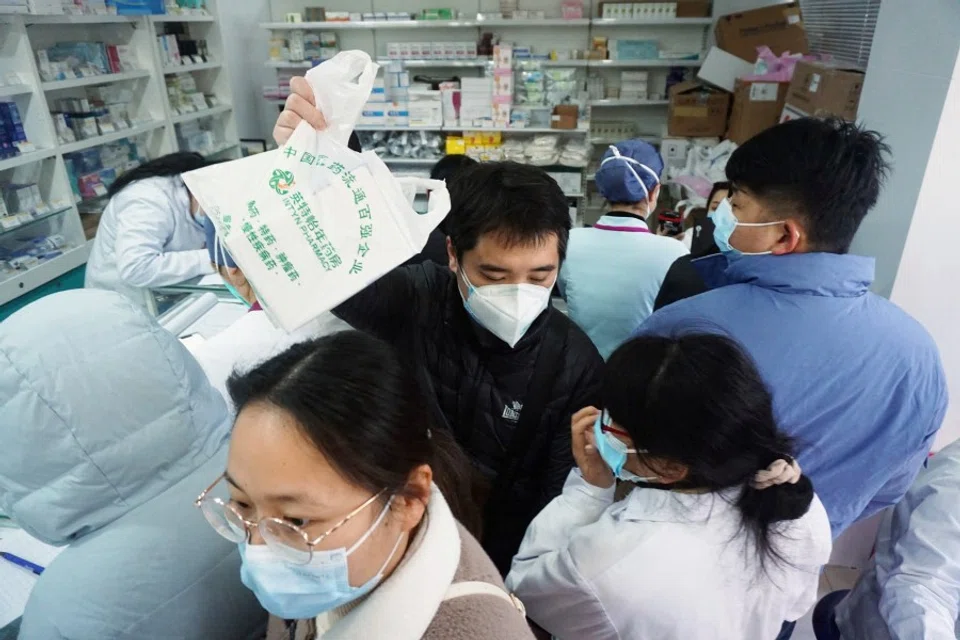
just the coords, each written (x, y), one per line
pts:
(313, 223)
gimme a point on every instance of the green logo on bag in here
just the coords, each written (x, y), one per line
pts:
(281, 181)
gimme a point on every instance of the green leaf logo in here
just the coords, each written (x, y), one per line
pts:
(281, 181)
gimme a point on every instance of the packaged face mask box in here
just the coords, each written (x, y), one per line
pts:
(313, 223)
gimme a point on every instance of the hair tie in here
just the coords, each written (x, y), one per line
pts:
(780, 472)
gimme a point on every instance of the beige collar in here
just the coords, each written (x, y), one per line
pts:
(404, 605)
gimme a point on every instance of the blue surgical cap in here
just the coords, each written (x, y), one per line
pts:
(218, 254)
(622, 165)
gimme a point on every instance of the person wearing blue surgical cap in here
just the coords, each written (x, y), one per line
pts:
(614, 270)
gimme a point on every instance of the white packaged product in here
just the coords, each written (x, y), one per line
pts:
(313, 223)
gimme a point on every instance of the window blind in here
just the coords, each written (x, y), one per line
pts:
(841, 28)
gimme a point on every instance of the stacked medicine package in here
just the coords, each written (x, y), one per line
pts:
(67, 60)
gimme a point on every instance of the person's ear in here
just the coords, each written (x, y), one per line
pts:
(408, 508)
(671, 472)
(790, 240)
(655, 197)
(452, 261)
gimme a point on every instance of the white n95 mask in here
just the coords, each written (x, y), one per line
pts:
(506, 310)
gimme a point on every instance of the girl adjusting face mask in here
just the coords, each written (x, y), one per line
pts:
(328, 476)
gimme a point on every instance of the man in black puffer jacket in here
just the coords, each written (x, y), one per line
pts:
(506, 371)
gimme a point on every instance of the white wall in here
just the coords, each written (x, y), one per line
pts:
(910, 68)
(924, 284)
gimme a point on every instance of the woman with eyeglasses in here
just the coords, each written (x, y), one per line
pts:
(720, 537)
(343, 500)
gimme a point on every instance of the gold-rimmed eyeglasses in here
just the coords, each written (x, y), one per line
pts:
(286, 539)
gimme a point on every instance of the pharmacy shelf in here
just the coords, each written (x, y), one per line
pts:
(203, 66)
(655, 22)
(80, 19)
(494, 22)
(289, 64)
(410, 162)
(652, 139)
(132, 132)
(44, 272)
(11, 90)
(628, 103)
(645, 63)
(423, 24)
(221, 149)
(521, 130)
(439, 64)
(202, 113)
(158, 129)
(25, 219)
(407, 128)
(104, 78)
(181, 18)
(26, 158)
(560, 63)
(542, 22)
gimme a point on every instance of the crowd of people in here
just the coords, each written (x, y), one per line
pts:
(671, 460)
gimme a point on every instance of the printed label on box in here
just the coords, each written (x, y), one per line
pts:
(763, 92)
(814, 82)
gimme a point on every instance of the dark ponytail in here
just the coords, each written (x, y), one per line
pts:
(163, 167)
(361, 407)
(698, 400)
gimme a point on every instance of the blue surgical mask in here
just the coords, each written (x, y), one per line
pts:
(614, 452)
(725, 223)
(300, 592)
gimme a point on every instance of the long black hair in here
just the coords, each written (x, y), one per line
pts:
(360, 405)
(699, 400)
(172, 164)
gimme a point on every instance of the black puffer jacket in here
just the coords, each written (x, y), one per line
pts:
(480, 384)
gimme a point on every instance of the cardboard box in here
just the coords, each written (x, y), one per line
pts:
(697, 110)
(722, 69)
(564, 116)
(694, 8)
(818, 89)
(778, 27)
(756, 106)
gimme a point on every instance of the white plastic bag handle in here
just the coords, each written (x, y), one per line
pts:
(341, 86)
(437, 206)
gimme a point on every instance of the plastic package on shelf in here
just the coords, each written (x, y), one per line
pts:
(543, 150)
(415, 145)
(576, 154)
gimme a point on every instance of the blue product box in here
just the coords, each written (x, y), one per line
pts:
(72, 176)
(138, 7)
(637, 49)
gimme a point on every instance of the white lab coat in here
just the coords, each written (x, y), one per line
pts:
(147, 238)
(662, 565)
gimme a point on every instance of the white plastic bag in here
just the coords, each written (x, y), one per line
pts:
(313, 223)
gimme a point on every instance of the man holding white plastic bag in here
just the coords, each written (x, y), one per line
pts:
(504, 370)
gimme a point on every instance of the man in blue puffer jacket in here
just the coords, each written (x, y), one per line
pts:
(110, 430)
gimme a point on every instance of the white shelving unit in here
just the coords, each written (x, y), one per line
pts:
(155, 123)
(682, 43)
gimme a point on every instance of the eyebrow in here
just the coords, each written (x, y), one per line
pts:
(492, 268)
(279, 497)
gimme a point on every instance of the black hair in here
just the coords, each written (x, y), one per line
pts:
(829, 171)
(353, 143)
(521, 203)
(450, 165)
(360, 405)
(172, 164)
(717, 186)
(699, 400)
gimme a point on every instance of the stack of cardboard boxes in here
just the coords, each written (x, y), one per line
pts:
(725, 104)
